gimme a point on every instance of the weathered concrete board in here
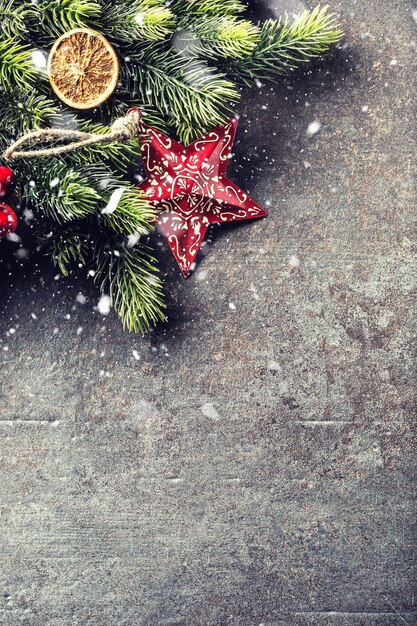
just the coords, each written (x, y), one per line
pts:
(255, 464)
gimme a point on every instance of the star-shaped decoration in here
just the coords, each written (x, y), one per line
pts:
(189, 186)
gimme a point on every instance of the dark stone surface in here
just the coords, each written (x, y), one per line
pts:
(255, 464)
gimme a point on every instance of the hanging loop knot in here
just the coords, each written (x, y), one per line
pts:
(123, 129)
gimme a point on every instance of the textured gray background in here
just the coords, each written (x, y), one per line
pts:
(255, 465)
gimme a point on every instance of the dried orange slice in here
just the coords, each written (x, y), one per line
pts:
(83, 68)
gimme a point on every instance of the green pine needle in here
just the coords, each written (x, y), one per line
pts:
(133, 214)
(14, 17)
(129, 276)
(61, 193)
(284, 46)
(16, 66)
(187, 90)
(138, 22)
(60, 16)
(22, 111)
(66, 245)
(220, 37)
(209, 7)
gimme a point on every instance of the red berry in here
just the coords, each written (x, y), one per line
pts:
(7, 181)
(8, 220)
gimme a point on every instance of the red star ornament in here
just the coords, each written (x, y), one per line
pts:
(189, 186)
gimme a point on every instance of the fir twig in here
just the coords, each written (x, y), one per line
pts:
(284, 46)
(218, 37)
(60, 16)
(16, 66)
(130, 278)
(67, 245)
(143, 20)
(60, 192)
(14, 17)
(193, 96)
(209, 7)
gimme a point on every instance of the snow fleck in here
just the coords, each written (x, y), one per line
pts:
(136, 355)
(104, 305)
(32, 183)
(132, 240)
(283, 387)
(80, 298)
(273, 366)
(365, 108)
(12, 331)
(39, 58)
(91, 273)
(54, 182)
(139, 18)
(202, 274)
(393, 62)
(34, 316)
(294, 261)
(114, 201)
(313, 128)
(79, 330)
(22, 253)
(414, 14)
(209, 411)
(232, 306)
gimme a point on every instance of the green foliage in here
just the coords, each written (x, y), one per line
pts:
(192, 95)
(182, 62)
(284, 46)
(140, 21)
(129, 277)
(219, 37)
(59, 16)
(14, 17)
(208, 7)
(133, 214)
(16, 66)
(22, 110)
(61, 193)
(66, 245)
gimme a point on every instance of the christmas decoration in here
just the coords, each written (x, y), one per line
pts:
(83, 68)
(7, 182)
(183, 63)
(189, 187)
(8, 220)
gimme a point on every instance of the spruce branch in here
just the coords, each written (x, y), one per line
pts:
(140, 21)
(15, 16)
(60, 16)
(22, 110)
(129, 276)
(60, 192)
(67, 245)
(16, 66)
(186, 90)
(119, 156)
(208, 7)
(133, 214)
(284, 46)
(218, 37)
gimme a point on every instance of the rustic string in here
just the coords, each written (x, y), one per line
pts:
(123, 129)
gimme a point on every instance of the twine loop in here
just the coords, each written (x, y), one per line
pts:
(123, 129)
